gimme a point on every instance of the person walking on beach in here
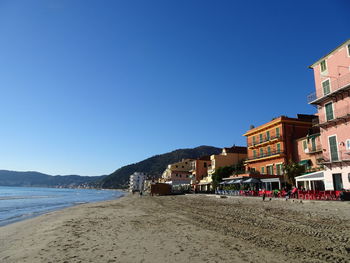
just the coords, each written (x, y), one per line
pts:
(263, 194)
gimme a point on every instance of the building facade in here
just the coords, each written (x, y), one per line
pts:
(308, 151)
(229, 156)
(332, 99)
(178, 173)
(272, 144)
(199, 169)
(136, 181)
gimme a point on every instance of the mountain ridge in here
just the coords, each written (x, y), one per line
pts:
(154, 165)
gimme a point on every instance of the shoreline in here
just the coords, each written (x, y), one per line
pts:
(187, 228)
(35, 214)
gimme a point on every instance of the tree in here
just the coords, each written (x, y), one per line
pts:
(292, 170)
(226, 171)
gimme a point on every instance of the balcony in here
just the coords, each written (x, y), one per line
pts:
(341, 114)
(337, 86)
(265, 140)
(316, 149)
(336, 157)
(264, 155)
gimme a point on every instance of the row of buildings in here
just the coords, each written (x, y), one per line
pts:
(320, 142)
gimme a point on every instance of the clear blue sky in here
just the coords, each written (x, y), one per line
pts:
(90, 86)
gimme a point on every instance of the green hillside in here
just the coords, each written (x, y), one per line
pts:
(13, 178)
(154, 165)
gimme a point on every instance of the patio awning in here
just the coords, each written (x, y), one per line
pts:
(316, 176)
(204, 183)
(270, 180)
(251, 181)
(305, 162)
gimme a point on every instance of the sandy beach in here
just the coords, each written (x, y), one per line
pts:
(191, 228)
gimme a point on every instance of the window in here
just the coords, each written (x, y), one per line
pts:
(261, 152)
(253, 139)
(277, 132)
(305, 145)
(268, 135)
(329, 111)
(278, 147)
(269, 169)
(279, 169)
(333, 147)
(183, 166)
(268, 150)
(180, 175)
(205, 164)
(263, 170)
(254, 153)
(326, 87)
(349, 50)
(313, 144)
(323, 65)
(261, 137)
(347, 144)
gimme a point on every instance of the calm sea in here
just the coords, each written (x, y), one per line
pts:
(19, 203)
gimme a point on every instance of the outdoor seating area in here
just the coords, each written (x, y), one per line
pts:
(303, 195)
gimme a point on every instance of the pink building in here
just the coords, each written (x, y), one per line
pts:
(332, 98)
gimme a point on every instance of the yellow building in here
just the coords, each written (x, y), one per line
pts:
(229, 156)
(178, 173)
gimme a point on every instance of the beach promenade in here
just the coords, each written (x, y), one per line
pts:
(191, 228)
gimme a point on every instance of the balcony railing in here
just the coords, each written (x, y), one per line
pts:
(265, 154)
(338, 114)
(334, 157)
(335, 85)
(317, 148)
(264, 139)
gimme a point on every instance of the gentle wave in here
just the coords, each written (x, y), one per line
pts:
(25, 197)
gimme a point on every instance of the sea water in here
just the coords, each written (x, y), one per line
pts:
(19, 203)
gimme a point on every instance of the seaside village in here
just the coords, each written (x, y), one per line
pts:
(303, 156)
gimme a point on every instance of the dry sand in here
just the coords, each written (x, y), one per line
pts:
(191, 228)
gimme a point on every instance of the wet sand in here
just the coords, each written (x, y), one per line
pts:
(191, 228)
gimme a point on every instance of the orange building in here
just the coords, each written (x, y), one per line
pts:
(273, 144)
(199, 168)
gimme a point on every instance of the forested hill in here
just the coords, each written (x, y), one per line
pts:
(154, 165)
(31, 179)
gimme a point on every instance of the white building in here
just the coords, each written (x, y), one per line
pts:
(137, 181)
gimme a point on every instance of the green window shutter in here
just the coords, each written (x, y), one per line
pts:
(254, 153)
(261, 152)
(329, 112)
(253, 139)
(323, 65)
(262, 170)
(304, 145)
(278, 147)
(333, 148)
(269, 150)
(267, 135)
(313, 144)
(261, 137)
(326, 87)
(278, 132)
